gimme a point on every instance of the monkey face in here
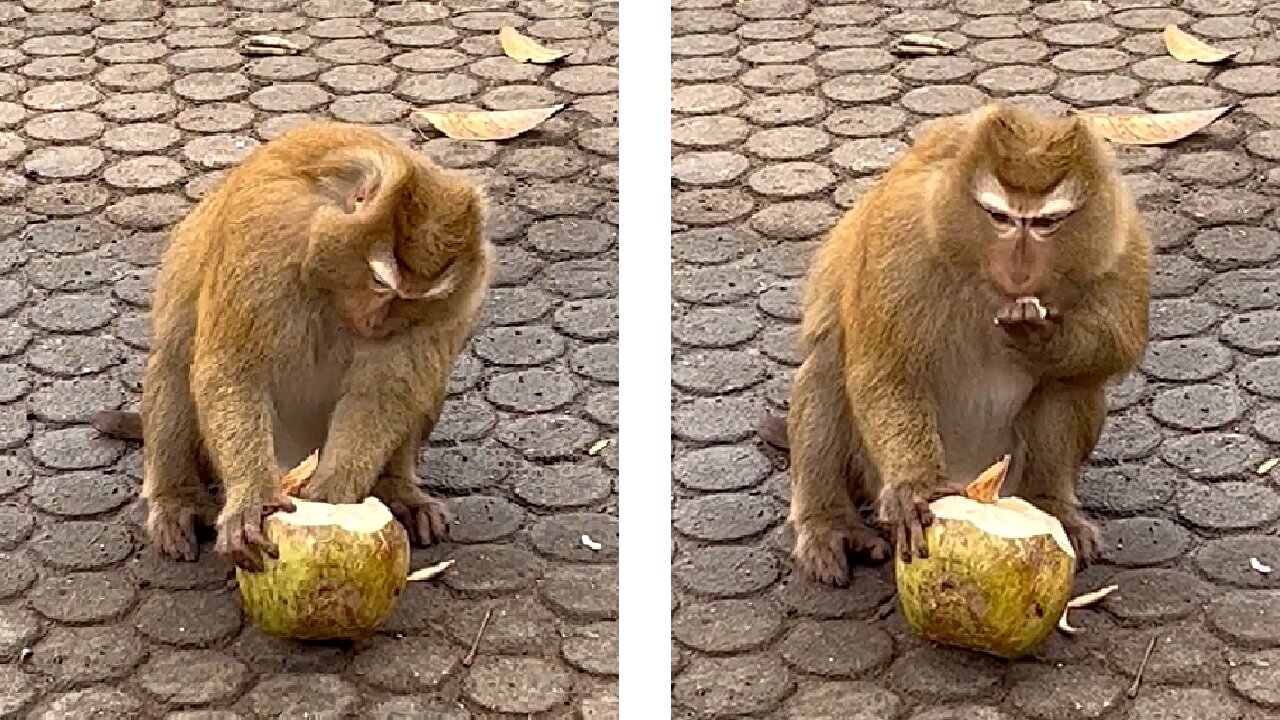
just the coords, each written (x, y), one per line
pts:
(1025, 229)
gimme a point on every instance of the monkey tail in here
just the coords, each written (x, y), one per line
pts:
(119, 424)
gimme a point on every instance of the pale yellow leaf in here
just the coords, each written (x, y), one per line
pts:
(1188, 48)
(599, 445)
(1080, 601)
(919, 44)
(430, 571)
(525, 49)
(1268, 466)
(488, 124)
(296, 479)
(1153, 128)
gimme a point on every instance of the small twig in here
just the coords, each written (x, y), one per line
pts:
(1142, 668)
(475, 644)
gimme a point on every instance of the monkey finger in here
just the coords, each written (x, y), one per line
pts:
(919, 543)
(257, 540)
(901, 540)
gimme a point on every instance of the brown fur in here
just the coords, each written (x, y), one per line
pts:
(269, 339)
(908, 387)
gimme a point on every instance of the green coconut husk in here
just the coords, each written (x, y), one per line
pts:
(998, 576)
(339, 575)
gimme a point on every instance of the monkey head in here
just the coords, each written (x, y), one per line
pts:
(392, 235)
(1037, 193)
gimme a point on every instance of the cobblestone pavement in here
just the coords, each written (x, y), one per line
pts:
(114, 116)
(785, 111)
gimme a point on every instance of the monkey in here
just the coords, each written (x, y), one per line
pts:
(973, 304)
(316, 298)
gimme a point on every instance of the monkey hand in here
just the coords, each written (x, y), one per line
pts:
(904, 510)
(335, 488)
(1028, 324)
(424, 517)
(241, 538)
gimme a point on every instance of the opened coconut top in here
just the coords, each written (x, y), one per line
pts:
(1008, 517)
(366, 517)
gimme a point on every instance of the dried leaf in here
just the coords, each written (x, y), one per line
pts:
(986, 488)
(1080, 601)
(1090, 598)
(430, 571)
(269, 45)
(295, 481)
(586, 540)
(488, 124)
(918, 44)
(599, 445)
(1259, 566)
(1189, 48)
(1268, 466)
(522, 48)
(1153, 128)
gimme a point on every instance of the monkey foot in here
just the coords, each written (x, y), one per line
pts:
(173, 533)
(823, 555)
(1084, 537)
(241, 538)
(423, 517)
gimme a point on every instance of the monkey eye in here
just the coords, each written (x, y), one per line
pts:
(1000, 218)
(1047, 223)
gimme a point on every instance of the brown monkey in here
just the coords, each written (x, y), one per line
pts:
(317, 298)
(973, 304)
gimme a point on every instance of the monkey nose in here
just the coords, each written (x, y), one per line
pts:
(1020, 280)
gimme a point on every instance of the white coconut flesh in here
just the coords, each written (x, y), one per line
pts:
(369, 516)
(1009, 517)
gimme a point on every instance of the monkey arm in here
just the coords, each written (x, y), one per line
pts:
(235, 415)
(895, 423)
(390, 391)
(1101, 338)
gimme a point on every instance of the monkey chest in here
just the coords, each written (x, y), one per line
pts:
(304, 400)
(977, 411)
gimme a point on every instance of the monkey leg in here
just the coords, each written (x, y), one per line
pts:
(823, 512)
(423, 516)
(1059, 428)
(175, 480)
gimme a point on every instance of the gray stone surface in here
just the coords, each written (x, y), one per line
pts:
(785, 111)
(115, 117)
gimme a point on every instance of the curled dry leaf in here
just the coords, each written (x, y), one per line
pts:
(525, 49)
(1081, 601)
(1268, 466)
(296, 479)
(268, 45)
(488, 124)
(919, 44)
(1153, 128)
(1188, 48)
(430, 571)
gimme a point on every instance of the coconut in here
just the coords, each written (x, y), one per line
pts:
(340, 571)
(998, 576)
